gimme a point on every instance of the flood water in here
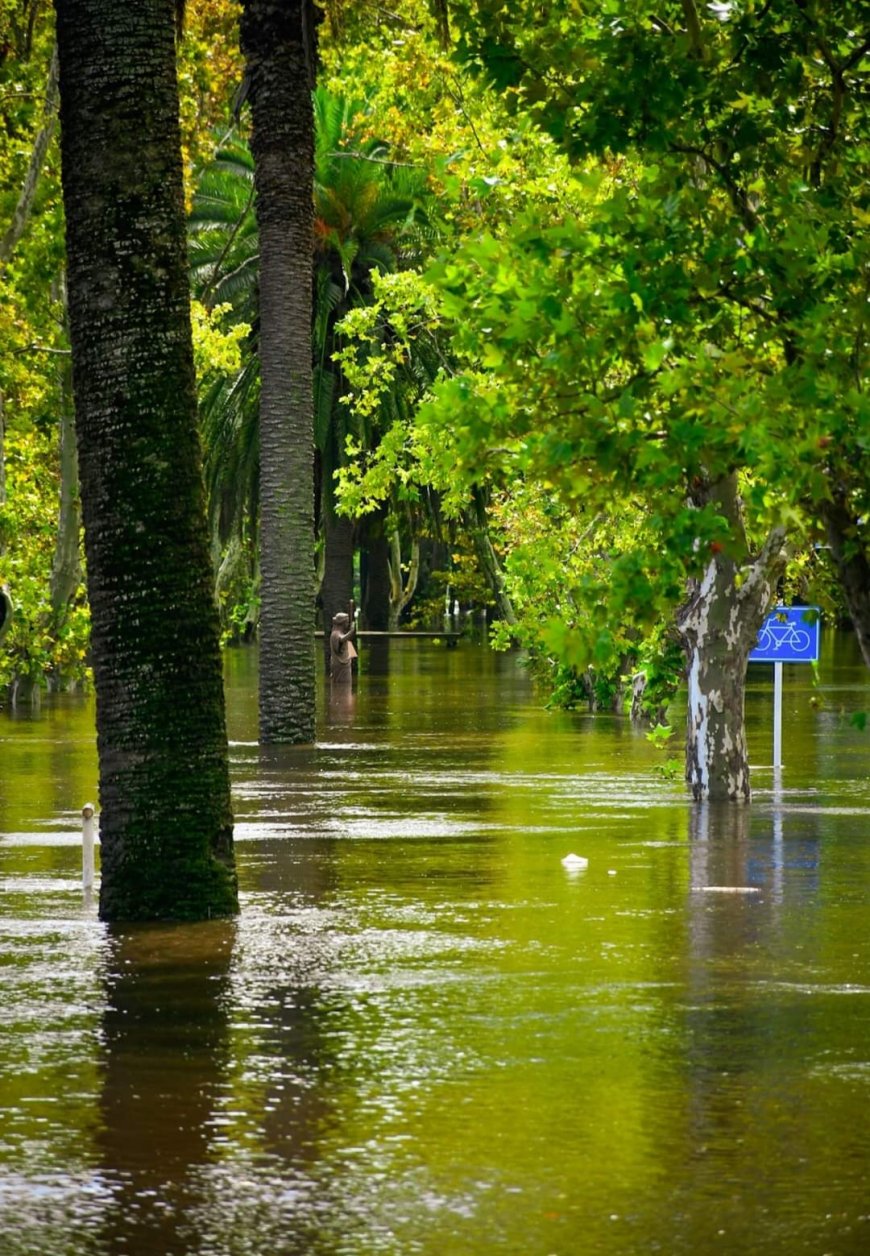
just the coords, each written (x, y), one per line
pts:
(423, 1035)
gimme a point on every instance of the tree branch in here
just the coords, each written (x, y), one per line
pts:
(693, 26)
(739, 199)
(855, 57)
(838, 87)
(378, 161)
(37, 158)
(771, 559)
(215, 273)
(459, 100)
(34, 347)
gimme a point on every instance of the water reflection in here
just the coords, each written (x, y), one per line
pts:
(374, 657)
(754, 1043)
(164, 1060)
(422, 1036)
(341, 710)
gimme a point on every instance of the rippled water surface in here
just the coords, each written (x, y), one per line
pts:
(423, 1035)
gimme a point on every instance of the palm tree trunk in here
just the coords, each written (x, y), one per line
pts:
(166, 825)
(277, 40)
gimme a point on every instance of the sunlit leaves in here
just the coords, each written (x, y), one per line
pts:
(217, 349)
(35, 647)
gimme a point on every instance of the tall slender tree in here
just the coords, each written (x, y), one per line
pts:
(364, 206)
(166, 825)
(278, 40)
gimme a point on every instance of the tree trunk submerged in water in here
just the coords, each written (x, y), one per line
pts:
(278, 43)
(847, 538)
(375, 573)
(719, 627)
(166, 825)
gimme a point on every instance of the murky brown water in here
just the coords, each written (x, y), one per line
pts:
(424, 1036)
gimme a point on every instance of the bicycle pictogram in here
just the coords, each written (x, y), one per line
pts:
(790, 634)
(775, 637)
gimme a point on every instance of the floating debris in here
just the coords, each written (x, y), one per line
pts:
(574, 863)
(727, 889)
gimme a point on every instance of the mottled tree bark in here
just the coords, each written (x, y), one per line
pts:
(166, 825)
(719, 626)
(278, 43)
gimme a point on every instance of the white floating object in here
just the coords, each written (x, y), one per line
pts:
(574, 863)
(728, 889)
(611, 872)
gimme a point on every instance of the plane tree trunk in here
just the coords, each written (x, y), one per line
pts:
(719, 626)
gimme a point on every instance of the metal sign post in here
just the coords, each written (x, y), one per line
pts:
(777, 714)
(790, 634)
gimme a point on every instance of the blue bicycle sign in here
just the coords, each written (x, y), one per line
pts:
(790, 634)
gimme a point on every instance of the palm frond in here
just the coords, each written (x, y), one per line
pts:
(230, 432)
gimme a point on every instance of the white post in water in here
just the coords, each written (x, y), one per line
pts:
(777, 836)
(777, 716)
(88, 825)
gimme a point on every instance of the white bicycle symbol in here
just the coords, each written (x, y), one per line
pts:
(774, 637)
